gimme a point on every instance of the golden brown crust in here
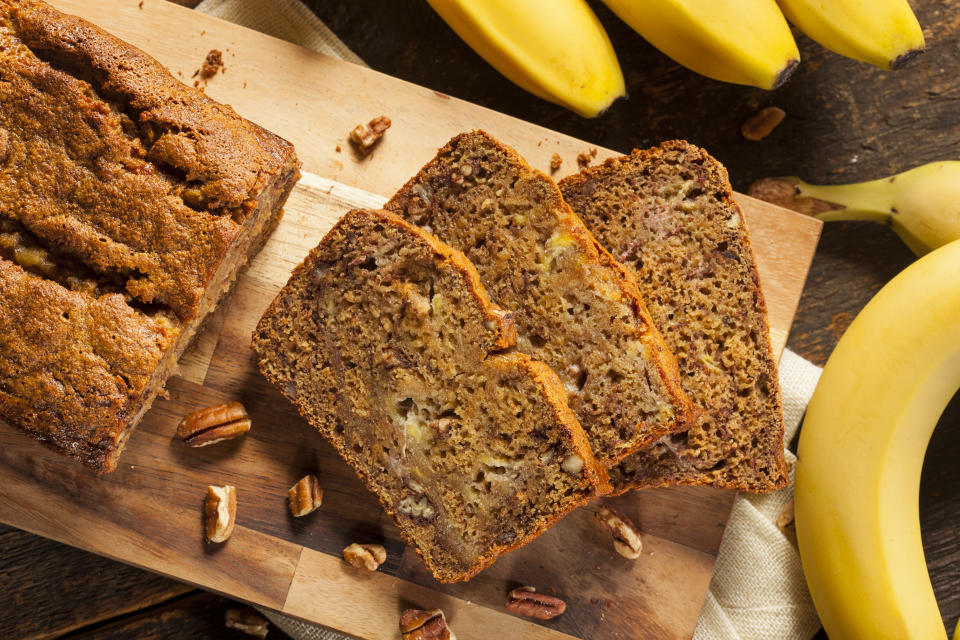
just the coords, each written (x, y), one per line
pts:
(286, 332)
(128, 202)
(648, 207)
(438, 186)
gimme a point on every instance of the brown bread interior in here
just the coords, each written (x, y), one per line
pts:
(386, 342)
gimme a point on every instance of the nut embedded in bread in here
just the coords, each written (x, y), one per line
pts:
(576, 308)
(128, 204)
(668, 213)
(387, 344)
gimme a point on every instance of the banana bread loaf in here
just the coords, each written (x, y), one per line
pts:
(128, 203)
(576, 308)
(668, 213)
(386, 342)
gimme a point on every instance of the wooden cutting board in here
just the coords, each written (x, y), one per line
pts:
(148, 513)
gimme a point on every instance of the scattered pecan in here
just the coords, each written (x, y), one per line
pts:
(220, 512)
(365, 556)
(247, 621)
(214, 424)
(762, 123)
(365, 137)
(626, 536)
(305, 496)
(416, 624)
(211, 65)
(555, 162)
(527, 602)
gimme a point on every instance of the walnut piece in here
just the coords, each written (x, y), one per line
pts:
(365, 137)
(416, 624)
(572, 464)
(220, 512)
(247, 621)
(555, 162)
(762, 123)
(365, 556)
(214, 424)
(418, 508)
(626, 536)
(306, 496)
(527, 602)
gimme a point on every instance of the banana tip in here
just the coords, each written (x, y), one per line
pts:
(785, 74)
(902, 60)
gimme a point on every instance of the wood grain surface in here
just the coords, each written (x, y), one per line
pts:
(147, 513)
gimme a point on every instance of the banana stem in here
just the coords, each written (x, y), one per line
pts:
(871, 201)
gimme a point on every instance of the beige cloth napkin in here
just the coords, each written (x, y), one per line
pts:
(758, 591)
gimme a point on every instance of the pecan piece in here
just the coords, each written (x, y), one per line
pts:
(214, 424)
(527, 602)
(416, 624)
(247, 621)
(220, 512)
(365, 137)
(626, 536)
(365, 556)
(762, 123)
(305, 496)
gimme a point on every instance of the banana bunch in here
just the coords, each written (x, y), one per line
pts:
(922, 205)
(559, 51)
(861, 452)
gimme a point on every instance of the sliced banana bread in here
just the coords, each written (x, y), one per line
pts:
(387, 343)
(668, 213)
(576, 308)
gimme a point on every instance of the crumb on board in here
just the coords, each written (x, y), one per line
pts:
(339, 149)
(584, 159)
(555, 162)
(211, 65)
(140, 4)
(365, 137)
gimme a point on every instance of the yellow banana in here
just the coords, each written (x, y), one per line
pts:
(882, 32)
(861, 451)
(922, 205)
(559, 52)
(740, 41)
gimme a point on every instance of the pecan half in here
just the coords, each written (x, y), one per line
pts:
(527, 602)
(365, 137)
(762, 123)
(416, 624)
(305, 496)
(220, 512)
(365, 556)
(247, 621)
(214, 424)
(626, 536)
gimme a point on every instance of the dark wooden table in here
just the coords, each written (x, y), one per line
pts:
(845, 121)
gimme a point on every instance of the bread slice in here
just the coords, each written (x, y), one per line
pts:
(668, 213)
(576, 308)
(386, 342)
